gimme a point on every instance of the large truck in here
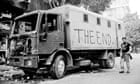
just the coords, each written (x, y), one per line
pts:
(63, 38)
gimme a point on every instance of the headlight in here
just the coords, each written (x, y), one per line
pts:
(28, 62)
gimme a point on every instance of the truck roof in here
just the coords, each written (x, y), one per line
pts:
(68, 7)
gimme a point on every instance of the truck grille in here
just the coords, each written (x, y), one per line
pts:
(27, 62)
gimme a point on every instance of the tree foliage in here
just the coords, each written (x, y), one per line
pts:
(93, 5)
(132, 27)
(97, 5)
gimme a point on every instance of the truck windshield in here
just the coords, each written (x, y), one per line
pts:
(25, 24)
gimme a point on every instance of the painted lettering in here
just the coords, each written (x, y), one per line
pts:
(104, 39)
(93, 37)
(98, 37)
(78, 33)
(109, 39)
(86, 36)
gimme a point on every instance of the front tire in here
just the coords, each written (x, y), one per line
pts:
(58, 68)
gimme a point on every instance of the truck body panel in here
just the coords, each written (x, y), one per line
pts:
(85, 35)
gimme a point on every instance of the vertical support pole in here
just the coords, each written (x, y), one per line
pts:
(6, 51)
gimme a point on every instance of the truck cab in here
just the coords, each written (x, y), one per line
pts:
(34, 37)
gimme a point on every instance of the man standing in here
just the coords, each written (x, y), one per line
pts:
(125, 55)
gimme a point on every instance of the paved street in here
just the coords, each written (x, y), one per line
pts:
(110, 76)
(101, 76)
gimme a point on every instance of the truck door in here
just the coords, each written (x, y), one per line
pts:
(51, 35)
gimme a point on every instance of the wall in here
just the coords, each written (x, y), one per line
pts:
(118, 9)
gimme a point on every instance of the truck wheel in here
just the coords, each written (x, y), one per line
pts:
(110, 62)
(58, 68)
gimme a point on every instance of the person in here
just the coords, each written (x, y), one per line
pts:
(125, 55)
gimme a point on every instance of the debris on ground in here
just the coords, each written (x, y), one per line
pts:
(9, 72)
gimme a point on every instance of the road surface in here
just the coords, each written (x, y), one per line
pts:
(100, 76)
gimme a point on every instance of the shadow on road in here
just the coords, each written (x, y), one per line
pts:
(35, 79)
(86, 70)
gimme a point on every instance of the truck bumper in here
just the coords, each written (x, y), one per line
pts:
(25, 62)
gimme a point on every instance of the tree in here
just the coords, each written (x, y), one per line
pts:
(17, 3)
(99, 5)
(132, 28)
(73, 2)
(92, 5)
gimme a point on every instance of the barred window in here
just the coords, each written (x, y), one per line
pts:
(98, 21)
(85, 18)
(109, 24)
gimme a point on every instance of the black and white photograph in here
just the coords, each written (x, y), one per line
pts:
(69, 42)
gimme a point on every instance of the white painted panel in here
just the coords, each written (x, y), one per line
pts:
(89, 35)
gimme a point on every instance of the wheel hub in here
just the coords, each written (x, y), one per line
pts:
(61, 67)
(111, 62)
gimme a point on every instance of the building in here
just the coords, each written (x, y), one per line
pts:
(118, 9)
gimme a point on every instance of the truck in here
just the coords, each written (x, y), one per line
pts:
(63, 38)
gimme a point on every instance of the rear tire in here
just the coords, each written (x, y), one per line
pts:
(58, 68)
(110, 62)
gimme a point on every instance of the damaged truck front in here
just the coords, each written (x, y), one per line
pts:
(36, 42)
(23, 42)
